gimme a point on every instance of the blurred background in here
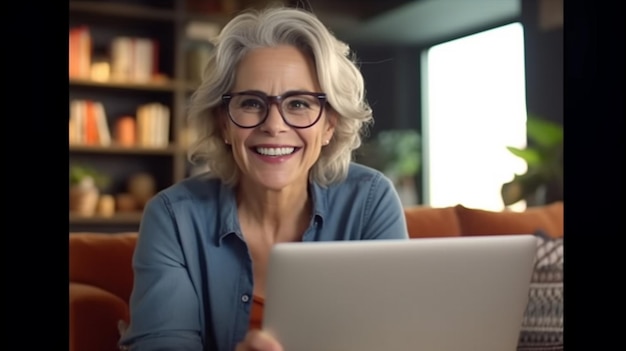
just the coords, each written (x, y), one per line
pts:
(467, 98)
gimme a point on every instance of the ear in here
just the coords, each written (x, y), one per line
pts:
(331, 122)
(220, 113)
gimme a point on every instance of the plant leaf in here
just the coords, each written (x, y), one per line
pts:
(544, 133)
(531, 156)
(511, 192)
(397, 151)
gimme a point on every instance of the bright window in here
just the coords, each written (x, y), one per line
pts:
(474, 106)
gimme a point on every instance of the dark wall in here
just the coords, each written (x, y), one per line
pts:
(543, 39)
(392, 74)
(392, 82)
(544, 62)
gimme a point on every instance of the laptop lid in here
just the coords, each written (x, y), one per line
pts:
(439, 294)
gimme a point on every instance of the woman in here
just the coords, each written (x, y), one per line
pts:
(279, 112)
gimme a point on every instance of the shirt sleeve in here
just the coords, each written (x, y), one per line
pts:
(384, 213)
(164, 305)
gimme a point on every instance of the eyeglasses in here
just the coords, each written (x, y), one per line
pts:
(299, 109)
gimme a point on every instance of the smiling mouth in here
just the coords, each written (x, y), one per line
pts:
(275, 151)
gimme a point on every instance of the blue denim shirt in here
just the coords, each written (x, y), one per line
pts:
(193, 272)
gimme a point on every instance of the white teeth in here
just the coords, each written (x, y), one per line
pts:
(280, 151)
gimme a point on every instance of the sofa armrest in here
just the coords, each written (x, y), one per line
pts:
(103, 260)
(94, 316)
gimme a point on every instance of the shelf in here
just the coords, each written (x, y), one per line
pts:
(121, 10)
(168, 86)
(118, 218)
(218, 18)
(164, 21)
(122, 150)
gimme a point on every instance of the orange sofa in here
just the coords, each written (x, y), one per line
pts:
(101, 275)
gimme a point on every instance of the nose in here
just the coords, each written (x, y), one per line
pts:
(274, 122)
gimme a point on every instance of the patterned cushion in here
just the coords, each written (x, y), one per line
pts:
(542, 326)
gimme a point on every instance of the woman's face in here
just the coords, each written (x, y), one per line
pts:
(274, 155)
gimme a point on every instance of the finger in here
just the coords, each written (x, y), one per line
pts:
(262, 341)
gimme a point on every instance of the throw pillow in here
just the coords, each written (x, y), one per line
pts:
(542, 326)
(426, 222)
(548, 218)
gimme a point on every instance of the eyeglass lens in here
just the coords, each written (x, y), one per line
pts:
(298, 110)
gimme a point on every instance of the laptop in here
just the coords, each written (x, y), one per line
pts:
(429, 294)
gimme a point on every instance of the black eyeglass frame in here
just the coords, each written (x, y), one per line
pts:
(277, 100)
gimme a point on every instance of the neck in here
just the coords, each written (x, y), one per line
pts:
(280, 215)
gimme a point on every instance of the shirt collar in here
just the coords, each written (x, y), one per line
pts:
(229, 224)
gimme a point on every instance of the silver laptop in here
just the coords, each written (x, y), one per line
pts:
(431, 294)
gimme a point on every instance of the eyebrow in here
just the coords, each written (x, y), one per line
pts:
(286, 92)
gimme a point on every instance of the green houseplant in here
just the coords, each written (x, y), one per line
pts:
(397, 153)
(85, 176)
(85, 184)
(544, 160)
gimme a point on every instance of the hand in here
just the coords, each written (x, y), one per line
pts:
(257, 340)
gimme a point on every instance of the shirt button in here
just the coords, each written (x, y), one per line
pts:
(245, 298)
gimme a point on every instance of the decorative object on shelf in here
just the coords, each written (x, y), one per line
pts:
(100, 69)
(85, 187)
(197, 56)
(88, 123)
(80, 52)
(142, 186)
(125, 131)
(125, 203)
(200, 37)
(397, 153)
(152, 125)
(543, 181)
(134, 59)
(106, 206)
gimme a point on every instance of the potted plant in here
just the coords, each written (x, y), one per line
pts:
(397, 153)
(85, 186)
(544, 160)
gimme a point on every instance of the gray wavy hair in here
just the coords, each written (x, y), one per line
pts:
(337, 73)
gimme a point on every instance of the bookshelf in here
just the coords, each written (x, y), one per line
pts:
(158, 72)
